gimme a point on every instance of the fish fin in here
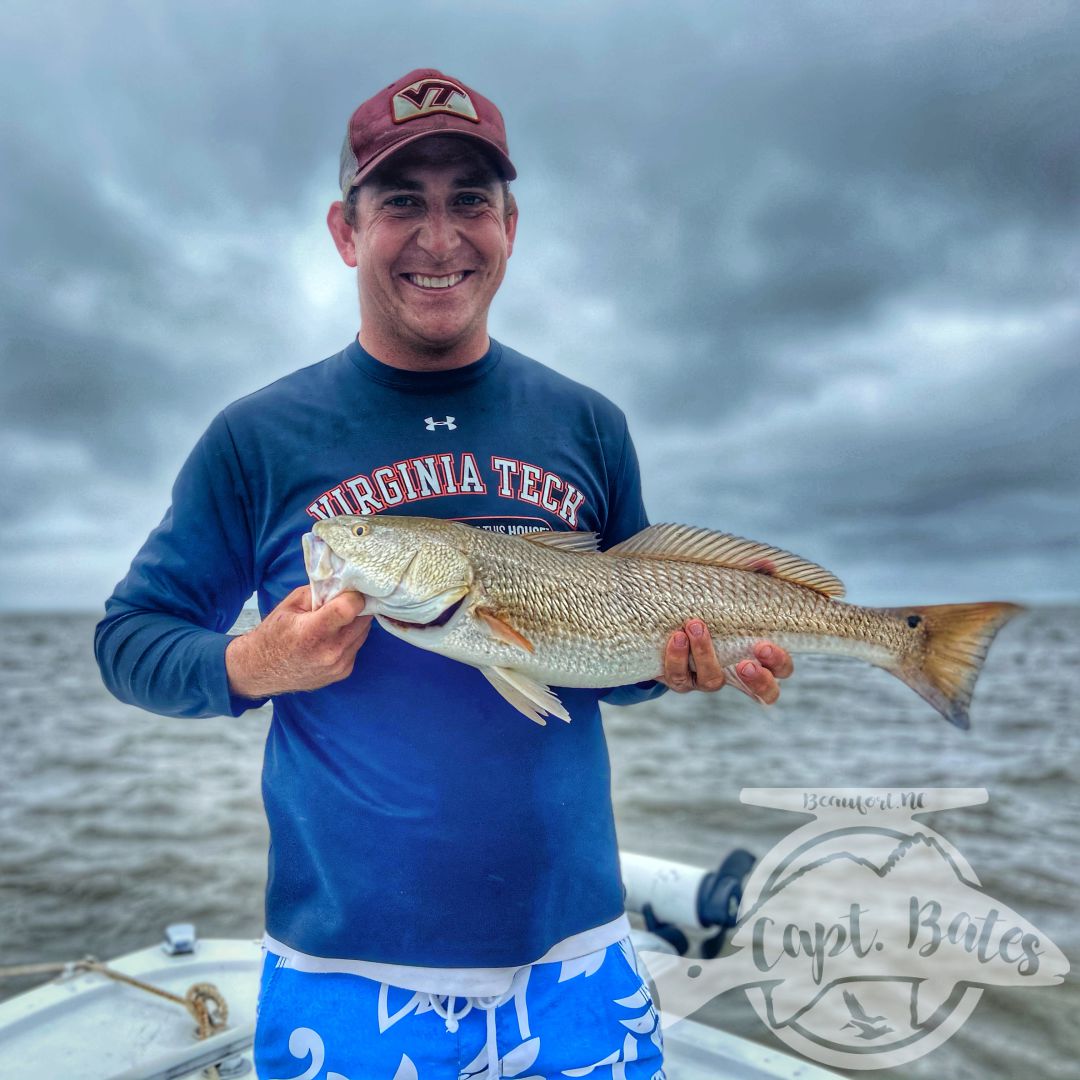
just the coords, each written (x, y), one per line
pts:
(957, 639)
(502, 630)
(733, 678)
(565, 541)
(688, 543)
(529, 697)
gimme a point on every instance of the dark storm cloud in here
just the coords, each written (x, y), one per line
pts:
(842, 169)
(825, 255)
(889, 202)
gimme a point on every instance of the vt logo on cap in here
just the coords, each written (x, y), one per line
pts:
(431, 96)
(423, 102)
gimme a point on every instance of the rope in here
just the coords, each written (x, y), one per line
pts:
(203, 1001)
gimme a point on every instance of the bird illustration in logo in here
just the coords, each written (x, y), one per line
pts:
(866, 1025)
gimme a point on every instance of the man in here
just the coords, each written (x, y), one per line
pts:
(440, 869)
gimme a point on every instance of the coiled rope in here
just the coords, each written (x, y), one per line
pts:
(203, 1001)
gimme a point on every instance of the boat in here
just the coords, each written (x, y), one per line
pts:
(139, 1016)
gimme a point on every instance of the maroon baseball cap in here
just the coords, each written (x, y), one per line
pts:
(424, 102)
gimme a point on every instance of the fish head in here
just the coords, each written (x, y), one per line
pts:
(414, 570)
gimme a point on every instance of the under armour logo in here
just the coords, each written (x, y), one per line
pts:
(429, 96)
(448, 423)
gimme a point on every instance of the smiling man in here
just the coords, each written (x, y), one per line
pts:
(444, 896)
(430, 231)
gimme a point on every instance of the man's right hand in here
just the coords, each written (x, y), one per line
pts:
(295, 648)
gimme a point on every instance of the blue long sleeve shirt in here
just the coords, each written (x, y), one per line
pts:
(415, 817)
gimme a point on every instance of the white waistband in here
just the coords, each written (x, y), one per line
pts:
(462, 982)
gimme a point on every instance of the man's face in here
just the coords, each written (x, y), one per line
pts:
(430, 244)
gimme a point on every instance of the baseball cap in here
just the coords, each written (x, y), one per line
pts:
(424, 102)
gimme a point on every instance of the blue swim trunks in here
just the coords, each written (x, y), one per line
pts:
(590, 1016)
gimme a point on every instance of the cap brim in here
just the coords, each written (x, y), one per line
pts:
(505, 165)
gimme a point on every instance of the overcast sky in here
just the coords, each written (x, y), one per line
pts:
(825, 255)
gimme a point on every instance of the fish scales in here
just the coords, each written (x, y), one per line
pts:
(623, 609)
(528, 613)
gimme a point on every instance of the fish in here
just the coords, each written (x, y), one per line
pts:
(547, 609)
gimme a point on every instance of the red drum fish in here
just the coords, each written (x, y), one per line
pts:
(548, 608)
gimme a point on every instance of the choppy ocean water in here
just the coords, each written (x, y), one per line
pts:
(114, 822)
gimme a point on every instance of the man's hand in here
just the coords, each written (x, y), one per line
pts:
(693, 641)
(295, 648)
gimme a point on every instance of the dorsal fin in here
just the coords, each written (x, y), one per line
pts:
(688, 543)
(564, 541)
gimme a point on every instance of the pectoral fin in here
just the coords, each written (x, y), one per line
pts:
(733, 678)
(529, 697)
(502, 630)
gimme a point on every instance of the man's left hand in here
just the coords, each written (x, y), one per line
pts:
(760, 674)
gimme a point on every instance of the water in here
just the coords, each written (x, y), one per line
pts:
(115, 822)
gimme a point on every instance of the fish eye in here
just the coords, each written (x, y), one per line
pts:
(359, 529)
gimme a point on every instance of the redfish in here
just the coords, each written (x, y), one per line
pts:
(550, 609)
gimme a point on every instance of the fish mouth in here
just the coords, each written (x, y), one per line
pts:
(440, 620)
(325, 570)
(330, 574)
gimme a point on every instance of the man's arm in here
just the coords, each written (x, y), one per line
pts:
(163, 644)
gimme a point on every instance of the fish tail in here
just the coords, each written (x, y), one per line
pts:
(956, 640)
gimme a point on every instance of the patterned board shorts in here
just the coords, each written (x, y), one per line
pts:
(591, 1016)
